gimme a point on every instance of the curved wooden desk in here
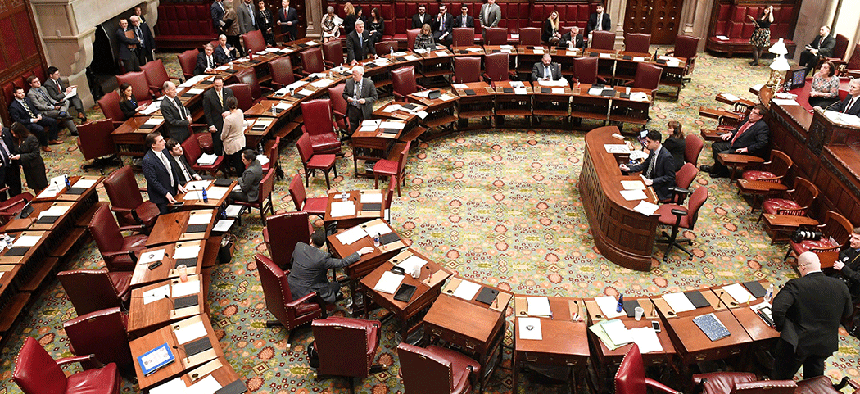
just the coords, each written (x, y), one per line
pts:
(621, 234)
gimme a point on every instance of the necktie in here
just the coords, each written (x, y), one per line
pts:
(547, 73)
(209, 62)
(442, 24)
(4, 152)
(220, 98)
(180, 107)
(741, 131)
(357, 93)
(251, 11)
(464, 22)
(652, 164)
(139, 35)
(185, 172)
(850, 104)
(166, 166)
(27, 108)
(44, 95)
(360, 42)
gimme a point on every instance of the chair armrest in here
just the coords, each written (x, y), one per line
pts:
(670, 52)
(486, 77)
(794, 212)
(129, 253)
(846, 382)
(328, 63)
(73, 359)
(679, 212)
(127, 210)
(419, 87)
(679, 190)
(136, 228)
(305, 299)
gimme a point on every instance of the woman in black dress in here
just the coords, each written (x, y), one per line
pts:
(376, 25)
(30, 158)
(349, 18)
(265, 23)
(551, 30)
(760, 39)
(676, 144)
(127, 103)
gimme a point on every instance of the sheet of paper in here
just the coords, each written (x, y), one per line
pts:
(186, 252)
(723, 38)
(538, 306)
(392, 108)
(73, 92)
(571, 53)
(784, 103)
(646, 208)
(216, 193)
(441, 53)
(617, 332)
(633, 195)
(201, 218)
(608, 306)
(57, 210)
(321, 83)
(460, 86)
(342, 208)
(193, 195)
(447, 97)
(389, 282)
(378, 229)
(412, 264)
(26, 241)
(183, 289)
(467, 290)
(223, 225)
(521, 91)
(194, 91)
(84, 183)
(151, 257)
(411, 58)
(638, 58)
(730, 97)
(351, 236)
(156, 294)
(198, 185)
(616, 148)
(153, 122)
(639, 97)
(529, 328)
(647, 339)
(370, 198)
(173, 386)
(473, 49)
(207, 385)
(49, 192)
(739, 293)
(305, 92)
(151, 108)
(233, 210)
(392, 125)
(207, 159)
(595, 91)
(557, 90)
(190, 332)
(605, 55)
(678, 302)
(633, 185)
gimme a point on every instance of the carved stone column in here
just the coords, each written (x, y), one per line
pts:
(314, 18)
(695, 18)
(616, 10)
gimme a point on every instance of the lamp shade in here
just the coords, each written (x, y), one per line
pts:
(778, 48)
(780, 64)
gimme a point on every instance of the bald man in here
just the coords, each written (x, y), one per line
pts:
(807, 312)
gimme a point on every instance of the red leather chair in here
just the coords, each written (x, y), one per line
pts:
(496, 36)
(13, 205)
(411, 34)
(692, 147)
(139, 86)
(436, 369)
(312, 61)
(530, 36)
(338, 106)
(346, 347)
(393, 168)
(249, 77)
(103, 334)
(630, 378)
(313, 205)
(126, 199)
(792, 202)
(37, 373)
(243, 95)
(773, 170)
(854, 60)
(273, 153)
(292, 225)
(279, 300)
(467, 69)
(496, 67)
(282, 71)
(156, 76)
(312, 161)
(462, 37)
(839, 50)
(188, 61)
(686, 47)
(318, 123)
(117, 251)
(403, 82)
(333, 51)
(683, 178)
(193, 151)
(647, 76)
(678, 217)
(385, 47)
(109, 104)
(94, 140)
(823, 385)
(95, 290)
(836, 230)
(636, 42)
(741, 383)
(253, 41)
(585, 70)
(264, 201)
(603, 39)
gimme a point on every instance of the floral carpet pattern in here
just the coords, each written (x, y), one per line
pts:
(496, 206)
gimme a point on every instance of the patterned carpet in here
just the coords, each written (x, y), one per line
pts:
(497, 206)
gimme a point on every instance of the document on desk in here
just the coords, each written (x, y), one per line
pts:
(190, 332)
(605, 55)
(730, 97)
(342, 208)
(389, 282)
(412, 264)
(538, 306)
(647, 339)
(617, 332)
(26, 241)
(597, 329)
(633, 185)
(202, 218)
(173, 386)
(639, 97)
(646, 208)
(633, 195)
(151, 257)
(222, 226)
(739, 293)
(186, 252)
(153, 122)
(322, 83)
(378, 229)
(678, 302)
(609, 305)
(617, 148)
(447, 97)
(56, 210)
(517, 84)
(529, 328)
(521, 91)
(198, 185)
(207, 385)
(371, 198)
(352, 235)
(216, 193)
(156, 294)
(151, 108)
(467, 290)
(84, 183)
(180, 289)
(392, 125)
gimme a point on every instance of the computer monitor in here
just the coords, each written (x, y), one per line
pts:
(795, 77)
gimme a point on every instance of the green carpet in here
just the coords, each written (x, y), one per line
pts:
(496, 206)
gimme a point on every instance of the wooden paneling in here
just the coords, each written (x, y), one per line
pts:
(20, 50)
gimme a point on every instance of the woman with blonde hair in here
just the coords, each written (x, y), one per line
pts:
(551, 33)
(425, 39)
(349, 19)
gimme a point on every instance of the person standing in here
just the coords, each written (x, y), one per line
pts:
(821, 46)
(247, 17)
(658, 170)
(807, 312)
(30, 158)
(176, 116)
(359, 46)
(288, 19)
(215, 109)
(231, 28)
(599, 20)
(39, 96)
(10, 170)
(760, 39)
(749, 138)
(360, 94)
(161, 183)
(265, 23)
(60, 91)
(233, 134)
(421, 18)
(127, 47)
(490, 15)
(248, 188)
(216, 12)
(349, 18)
(143, 35)
(23, 111)
(676, 144)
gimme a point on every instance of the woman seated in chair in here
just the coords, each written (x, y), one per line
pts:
(425, 39)
(551, 33)
(375, 25)
(676, 144)
(825, 86)
(127, 103)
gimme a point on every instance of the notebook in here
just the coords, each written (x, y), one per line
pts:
(184, 302)
(154, 359)
(189, 262)
(697, 299)
(197, 346)
(196, 228)
(711, 326)
(386, 239)
(630, 307)
(404, 293)
(757, 290)
(487, 295)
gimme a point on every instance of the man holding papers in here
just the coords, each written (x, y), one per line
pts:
(658, 170)
(161, 184)
(310, 270)
(360, 94)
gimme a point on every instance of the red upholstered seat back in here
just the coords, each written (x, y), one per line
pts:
(139, 85)
(312, 60)
(94, 139)
(242, 92)
(182, 19)
(276, 289)
(254, 41)
(585, 69)
(155, 73)
(569, 14)
(282, 71)
(89, 290)
(333, 51)
(693, 145)
(854, 60)
(696, 201)
(530, 36)
(385, 47)
(805, 192)
(288, 229)
(105, 231)
(420, 368)
(636, 42)
(36, 371)
(732, 21)
(630, 378)
(317, 116)
(403, 80)
(109, 104)
(188, 60)
(335, 94)
(686, 46)
(647, 76)
(467, 69)
(248, 76)
(684, 177)
(603, 39)
(496, 36)
(411, 34)
(496, 66)
(191, 148)
(102, 333)
(344, 346)
(122, 189)
(297, 191)
(465, 36)
(841, 46)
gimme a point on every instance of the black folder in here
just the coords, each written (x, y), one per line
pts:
(76, 191)
(189, 262)
(545, 90)
(400, 59)
(434, 94)
(594, 54)
(487, 295)
(223, 182)
(608, 93)
(375, 206)
(404, 293)
(386, 239)
(661, 61)
(470, 92)
(625, 57)
(47, 220)
(197, 346)
(697, 299)
(630, 307)
(755, 288)
(409, 106)
(624, 95)
(390, 131)
(237, 387)
(17, 251)
(147, 126)
(206, 82)
(185, 302)
(508, 90)
(196, 228)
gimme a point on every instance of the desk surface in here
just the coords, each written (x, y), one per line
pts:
(143, 275)
(144, 316)
(171, 228)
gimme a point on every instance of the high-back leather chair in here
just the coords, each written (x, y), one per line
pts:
(242, 93)
(839, 49)
(338, 106)
(467, 69)
(253, 41)
(683, 178)
(403, 82)
(496, 67)
(117, 251)
(318, 123)
(279, 300)
(333, 51)
(126, 199)
(94, 139)
(313, 205)
(315, 161)
(249, 77)
(823, 385)
(679, 217)
(193, 151)
(836, 229)
(273, 153)
(139, 86)
(411, 34)
(773, 170)
(109, 104)
(854, 60)
(104, 334)
(637, 42)
(346, 347)
(794, 201)
(312, 61)
(287, 229)
(463, 37)
(585, 70)
(435, 369)
(385, 47)
(530, 36)
(693, 145)
(686, 47)
(188, 61)
(264, 201)
(496, 36)
(37, 373)
(282, 71)
(95, 290)
(156, 76)
(603, 39)
(393, 168)
(631, 379)
(647, 76)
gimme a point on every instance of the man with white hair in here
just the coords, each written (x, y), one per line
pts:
(360, 94)
(807, 312)
(144, 37)
(177, 118)
(359, 46)
(851, 104)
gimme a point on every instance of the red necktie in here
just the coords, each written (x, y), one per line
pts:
(741, 131)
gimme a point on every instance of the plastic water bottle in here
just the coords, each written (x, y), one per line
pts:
(376, 241)
(68, 184)
(203, 194)
(392, 52)
(769, 295)
(570, 44)
(620, 306)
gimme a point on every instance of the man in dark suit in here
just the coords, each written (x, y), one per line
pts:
(658, 169)
(358, 44)
(176, 116)
(546, 70)
(442, 26)
(807, 312)
(47, 106)
(127, 47)
(214, 111)
(59, 91)
(10, 170)
(161, 183)
(181, 169)
(224, 52)
(464, 20)
(599, 20)
(851, 104)
(749, 138)
(288, 19)
(311, 266)
(206, 62)
(821, 46)
(576, 38)
(144, 37)
(23, 111)
(419, 19)
(248, 189)
(216, 11)
(246, 15)
(360, 94)
(847, 268)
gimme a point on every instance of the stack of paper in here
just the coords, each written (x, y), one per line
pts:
(460, 86)
(200, 218)
(151, 257)
(389, 282)
(616, 148)
(56, 210)
(646, 208)
(351, 236)
(151, 108)
(474, 49)
(633, 195)
(49, 192)
(678, 302)
(186, 252)
(194, 91)
(216, 193)
(342, 208)
(609, 306)
(520, 91)
(26, 241)
(646, 338)
(322, 83)
(538, 306)
(617, 332)
(222, 226)
(739, 293)
(232, 211)
(467, 290)
(639, 97)
(412, 264)
(183, 289)
(190, 332)
(446, 97)
(84, 183)
(283, 106)
(378, 229)
(392, 124)
(529, 328)
(206, 159)
(198, 185)
(156, 294)
(730, 97)
(411, 58)
(370, 198)
(153, 122)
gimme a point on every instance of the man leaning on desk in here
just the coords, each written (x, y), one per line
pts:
(749, 138)
(658, 169)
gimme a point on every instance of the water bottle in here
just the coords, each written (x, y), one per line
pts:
(620, 306)
(570, 44)
(68, 184)
(203, 194)
(392, 52)
(376, 241)
(769, 295)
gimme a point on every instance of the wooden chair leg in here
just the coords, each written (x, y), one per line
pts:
(327, 185)
(375, 180)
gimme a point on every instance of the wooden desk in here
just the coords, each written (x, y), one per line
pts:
(759, 189)
(779, 227)
(218, 369)
(362, 214)
(375, 143)
(441, 110)
(265, 108)
(75, 193)
(47, 221)
(551, 100)
(130, 137)
(471, 50)
(512, 101)
(476, 101)
(18, 255)
(587, 106)
(760, 332)
(167, 270)
(193, 199)
(172, 227)
(144, 317)
(368, 262)
(627, 110)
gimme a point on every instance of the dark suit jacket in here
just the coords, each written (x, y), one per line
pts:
(176, 163)
(19, 114)
(10, 175)
(124, 42)
(32, 163)
(250, 181)
(449, 24)
(677, 147)
(310, 271)
(547, 31)
(578, 41)
(176, 127)
(58, 93)
(212, 108)
(261, 17)
(538, 71)
(458, 21)
(157, 178)
(418, 21)
(663, 173)
(200, 68)
(222, 57)
(825, 46)
(128, 107)
(357, 51)
(217, 14)
(839, 106)
(851, 271)
(606, 23)
(289, 16)
(146, 33)
(807, 312)
(755, 138)
(368, 92)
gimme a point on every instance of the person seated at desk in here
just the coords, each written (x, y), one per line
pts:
(824, 90)
(206, 62)
(181, 170)
(551, 32)
(310, 270)
(749, 138)
(851, 104)
(676, 143)
(658, 170)
(546, 70)
(847, 269)
(224, 52)
(127, 103)
(425, 39)
(248, 189)
(576, 38)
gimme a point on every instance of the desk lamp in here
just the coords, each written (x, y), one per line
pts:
(780, 64)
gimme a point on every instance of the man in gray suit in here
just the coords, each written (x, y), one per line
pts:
(491, 14)
(176, 116)
(248, 189)
(546, 70)
(59, 90)
(360, 94)
(50, 107)
(246, 14)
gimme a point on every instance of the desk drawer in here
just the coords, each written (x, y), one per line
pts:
(547, 359)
